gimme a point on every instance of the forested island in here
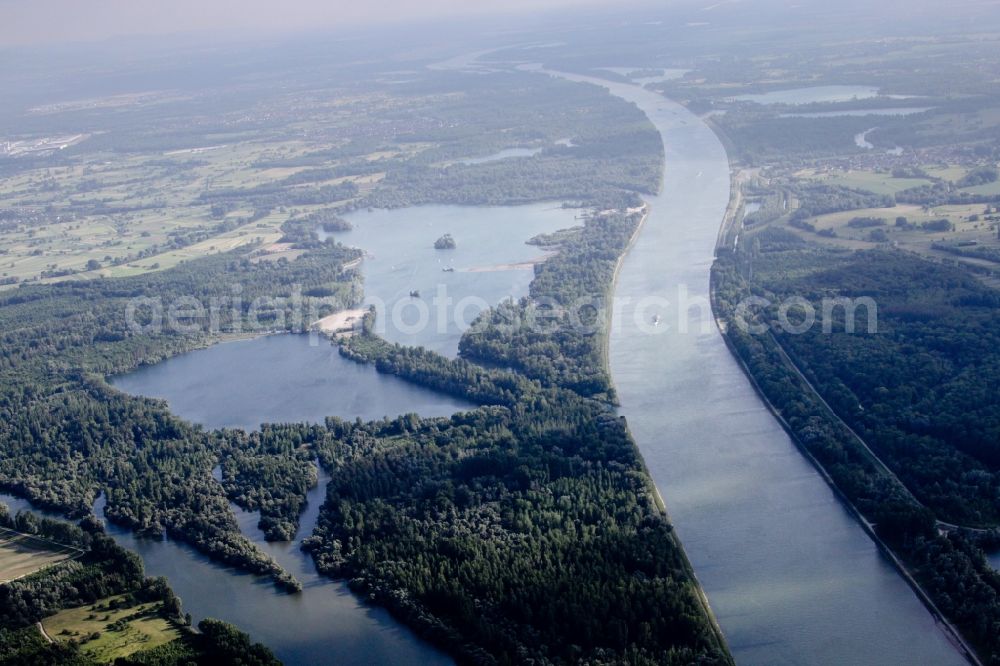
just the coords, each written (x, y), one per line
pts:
(446, 242)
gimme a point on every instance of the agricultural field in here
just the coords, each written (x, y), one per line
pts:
(973, 240)
(131, 208)
(112, 628)
(132, 198)
(989, 189)
(23, 554)
(950, 173)
(871, 181)
(839, 221)
(164, 184)
(962, 217)
(261, 231)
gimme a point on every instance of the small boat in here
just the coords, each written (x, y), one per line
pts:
(414, 294)
(448, 269)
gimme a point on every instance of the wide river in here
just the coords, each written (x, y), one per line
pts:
(792, 578)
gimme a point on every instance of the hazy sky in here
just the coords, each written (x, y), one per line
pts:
(46, 21)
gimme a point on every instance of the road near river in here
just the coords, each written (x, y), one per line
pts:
(791, 577)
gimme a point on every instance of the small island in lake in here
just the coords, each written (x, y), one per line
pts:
(331, 222)
(446, 242)
(337, 224)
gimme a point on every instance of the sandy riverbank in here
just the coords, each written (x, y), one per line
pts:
(520, 266)
(339, 322)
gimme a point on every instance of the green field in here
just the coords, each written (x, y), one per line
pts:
(125, 209)
(23, 554)
(979, 234)
(163, 202)
(106, 632)
(879, 183)
(958, 215)
(949, 173)
(988, 189)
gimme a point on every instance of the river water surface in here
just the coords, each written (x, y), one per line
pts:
(791, 576)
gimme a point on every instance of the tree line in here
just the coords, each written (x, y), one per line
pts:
(919, 391)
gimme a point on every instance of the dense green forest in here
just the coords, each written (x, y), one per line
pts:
(481, 529)
(628, 157)
(920, 392)
(512, 534)
(595, 146)
(66, 435)
(105, 569)
(761, 136)
(270, 470)
(592, 146)
(819, 199)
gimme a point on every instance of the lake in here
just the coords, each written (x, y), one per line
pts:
(811, 95)
(279, 378)
(491, 262)
(502, 155)
(286, 378)
(900, 111)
